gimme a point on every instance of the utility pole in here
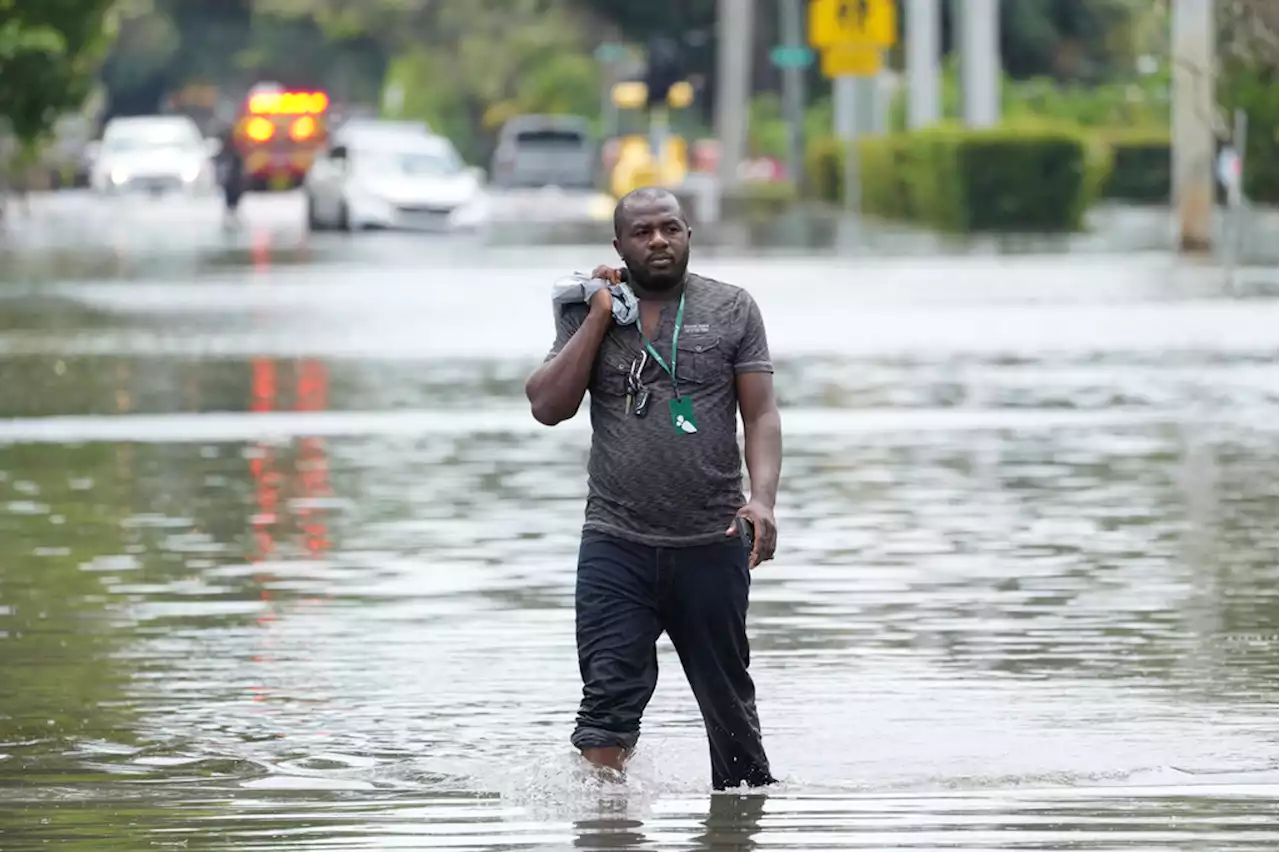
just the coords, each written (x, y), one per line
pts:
(734, 19)
(1193, 111)
(791, 27)
(924, 57)
(978, 22)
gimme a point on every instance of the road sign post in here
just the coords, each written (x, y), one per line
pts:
(1231, 175)
(844, 92)
(852, 36)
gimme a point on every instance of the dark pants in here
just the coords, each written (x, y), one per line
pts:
(232, 179)
(627, 595)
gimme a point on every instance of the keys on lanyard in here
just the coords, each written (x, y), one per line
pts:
(637, 393)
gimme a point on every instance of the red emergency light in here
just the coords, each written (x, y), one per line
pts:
(288, 103)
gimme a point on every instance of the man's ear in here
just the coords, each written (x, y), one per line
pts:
(616, 248)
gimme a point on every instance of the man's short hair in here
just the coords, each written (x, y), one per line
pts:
(641, 195)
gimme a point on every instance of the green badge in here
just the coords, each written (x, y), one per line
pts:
(682, 416)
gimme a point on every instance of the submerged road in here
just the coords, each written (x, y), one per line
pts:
(287, 565)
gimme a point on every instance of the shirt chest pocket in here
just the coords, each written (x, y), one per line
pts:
(610, 377)
(700, 359)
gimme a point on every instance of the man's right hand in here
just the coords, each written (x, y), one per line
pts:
(602, 301)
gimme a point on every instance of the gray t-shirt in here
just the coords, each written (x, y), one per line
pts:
(646, 483)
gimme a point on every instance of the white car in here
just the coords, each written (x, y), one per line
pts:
(394, 180)
(154, 153)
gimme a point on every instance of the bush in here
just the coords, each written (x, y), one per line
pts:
(1141, 168)
(822, 165)
(760, 200)
(883, 174)
(999, 179)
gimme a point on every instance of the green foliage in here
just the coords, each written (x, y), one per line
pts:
(1001, 179)
(49, 52)
(760, 201)
(1255, 91)
(884, 168)
(1142, 101)
(1084, 40)
(488, 60)
(882, 176)
(1141, 167)
(165, 45)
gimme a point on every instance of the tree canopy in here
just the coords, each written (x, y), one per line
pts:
(466, 65)
(49, 54)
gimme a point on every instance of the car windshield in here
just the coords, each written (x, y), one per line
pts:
(147, 136)
(411, 163)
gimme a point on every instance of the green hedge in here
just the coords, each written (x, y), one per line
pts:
(760, 200)
(1000, 179)
(882, 161)
(1141, 168)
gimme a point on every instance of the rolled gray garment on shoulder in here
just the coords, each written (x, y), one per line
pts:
(578, 289)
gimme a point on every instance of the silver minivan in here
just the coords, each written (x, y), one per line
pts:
(545, 150)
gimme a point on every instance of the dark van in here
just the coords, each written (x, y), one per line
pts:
(545, 150)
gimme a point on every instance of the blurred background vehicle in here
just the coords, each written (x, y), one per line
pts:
(387, 178)
(155, 154)
(647, 140)
(369, 124)
(545, 150)
(278, 134)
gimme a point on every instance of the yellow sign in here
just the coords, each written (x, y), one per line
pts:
(629, 95)
(851, 62)
(680, 95)
(849, 23)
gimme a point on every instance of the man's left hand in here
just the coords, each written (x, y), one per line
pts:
(766, 531)
(613, 276)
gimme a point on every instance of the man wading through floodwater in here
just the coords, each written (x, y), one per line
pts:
(665, 545)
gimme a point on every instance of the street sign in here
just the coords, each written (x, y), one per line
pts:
(848, 23)
(610, 52)
(851, 62)
(791, 56)
(393, 99)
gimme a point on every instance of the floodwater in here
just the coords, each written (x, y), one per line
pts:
(285, 564)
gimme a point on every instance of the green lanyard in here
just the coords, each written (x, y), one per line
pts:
(675, 339)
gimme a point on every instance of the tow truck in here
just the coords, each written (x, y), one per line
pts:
(278, 135)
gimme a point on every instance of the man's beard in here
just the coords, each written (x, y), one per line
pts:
(660, 281)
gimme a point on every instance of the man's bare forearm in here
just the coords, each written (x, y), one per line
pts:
(555, 390)
(763, 444)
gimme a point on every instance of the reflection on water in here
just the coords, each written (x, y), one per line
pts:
(365, 641)
(1027, 594)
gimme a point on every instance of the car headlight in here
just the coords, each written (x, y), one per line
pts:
(191, 174)
(118, 176)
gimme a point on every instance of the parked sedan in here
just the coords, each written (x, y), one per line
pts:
(394, 180)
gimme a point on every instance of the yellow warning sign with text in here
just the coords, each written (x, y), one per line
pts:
(851, 62)
(852, 23)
